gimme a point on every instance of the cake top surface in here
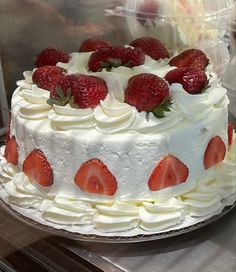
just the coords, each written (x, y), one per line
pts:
(112, 89)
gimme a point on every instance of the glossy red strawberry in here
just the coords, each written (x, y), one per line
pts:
(94, 177)
(51, 56)
(151, 47)
(169, 171)
(147, 10)
(82, 91)
(38, 169)
(192, 58)
(11, 151)
(193, 81)
(92, 44)
(146, 91)
(62, 83)
(44, 76)
(115, 57)
(87, 91)
(215, 152)
(230, 133)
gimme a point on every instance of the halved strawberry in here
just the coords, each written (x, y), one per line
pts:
(37, 168)
(92, 44)
(11, 151)
(215, 152)
(44, 76)
(193, 81)
(93, 176)
(191, 58)
(51, 56)
(169, 171)
(230, 133)
(151, 47)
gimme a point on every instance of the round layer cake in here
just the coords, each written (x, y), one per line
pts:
(113, 165)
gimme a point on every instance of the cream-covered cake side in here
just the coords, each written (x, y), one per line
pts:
(130, 156)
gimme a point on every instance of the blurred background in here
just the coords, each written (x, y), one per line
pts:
(28, 26)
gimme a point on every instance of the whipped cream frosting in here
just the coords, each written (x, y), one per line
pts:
(204, 200)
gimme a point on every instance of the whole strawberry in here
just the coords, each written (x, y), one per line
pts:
(83, 91)
(115, 57)
(51, 56)
(148, 92)
(45, 76)
(192, 58)
(193, 81)
(91, 44)
(61, 84)
(87, 91)
(151, 47)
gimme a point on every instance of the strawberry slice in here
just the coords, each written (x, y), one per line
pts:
(151, 47)
(92, 44)
(45, 76)
(94, 177)
(215, 152)
(230, 133)
(51, 56)
(37, 168)
(11, 151)
(169, 171)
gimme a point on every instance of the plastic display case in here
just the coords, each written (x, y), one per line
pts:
(4, 111)
(28, 26)
(182, 24)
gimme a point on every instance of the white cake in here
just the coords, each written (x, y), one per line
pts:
(129, 144)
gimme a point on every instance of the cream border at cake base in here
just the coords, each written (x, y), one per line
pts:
(89, 230)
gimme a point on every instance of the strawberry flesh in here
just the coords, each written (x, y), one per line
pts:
(151, 47)
(169, 171)
(94, 177)
(146, 91)
(11, 151)
(215, 152)
(91, 44)
(38, 169)
(193, 81)
(51, 56)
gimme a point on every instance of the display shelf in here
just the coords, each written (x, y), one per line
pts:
(211, 248)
